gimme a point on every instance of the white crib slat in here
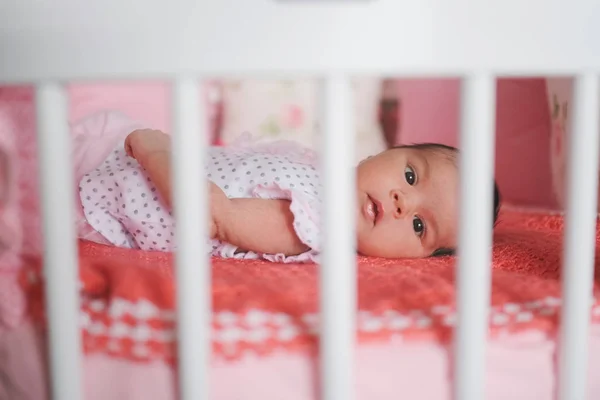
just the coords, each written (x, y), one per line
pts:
(60, 251)
(338, 263)
(475, 234)
(580, 237)
(193, 264)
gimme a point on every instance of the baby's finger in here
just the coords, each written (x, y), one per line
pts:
(128, 147)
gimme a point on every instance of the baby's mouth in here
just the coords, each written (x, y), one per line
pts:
(373, 209)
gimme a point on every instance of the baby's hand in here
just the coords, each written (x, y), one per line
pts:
(142, 142)
(219, 209)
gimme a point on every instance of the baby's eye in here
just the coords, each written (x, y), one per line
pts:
(409, 175)
(418, 226)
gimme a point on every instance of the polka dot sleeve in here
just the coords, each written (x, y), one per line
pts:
(122, 204)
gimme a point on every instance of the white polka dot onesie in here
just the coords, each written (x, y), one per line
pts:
(122, 204)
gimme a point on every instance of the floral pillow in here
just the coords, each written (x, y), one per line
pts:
(288, 110)
(559, 98)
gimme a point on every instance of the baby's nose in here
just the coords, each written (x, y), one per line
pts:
(399, 205)
(402, 204)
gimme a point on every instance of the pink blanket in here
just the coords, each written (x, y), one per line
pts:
(129, 296)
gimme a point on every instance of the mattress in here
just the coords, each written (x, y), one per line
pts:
(265, 324)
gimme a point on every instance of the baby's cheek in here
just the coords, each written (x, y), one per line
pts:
(368, 242)
(390, 241)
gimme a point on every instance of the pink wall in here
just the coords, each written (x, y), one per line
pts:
(430, 113)
(428, 110)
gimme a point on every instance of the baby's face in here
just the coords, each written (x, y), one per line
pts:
(407, 203)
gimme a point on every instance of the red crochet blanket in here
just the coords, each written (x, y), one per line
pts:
(128, 296)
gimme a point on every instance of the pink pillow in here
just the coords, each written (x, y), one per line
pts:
(430, 110)
(148, 102)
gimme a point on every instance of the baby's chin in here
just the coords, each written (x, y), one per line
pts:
(362, 245)
(368, 249)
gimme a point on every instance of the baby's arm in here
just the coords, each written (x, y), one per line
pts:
(152, 150)
(259, 225)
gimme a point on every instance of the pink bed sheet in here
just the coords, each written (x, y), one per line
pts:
(264, 322)
(519, 366)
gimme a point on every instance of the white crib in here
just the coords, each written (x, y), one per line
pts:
(52, 42)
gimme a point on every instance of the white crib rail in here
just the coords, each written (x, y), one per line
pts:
(275, 37)
(580, 237)
(338, 264)
(475, 234)
(193, 265)
(60, 252)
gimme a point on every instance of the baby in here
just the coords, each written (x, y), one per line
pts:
(265, 199)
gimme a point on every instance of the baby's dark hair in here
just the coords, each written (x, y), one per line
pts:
(451, 153)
